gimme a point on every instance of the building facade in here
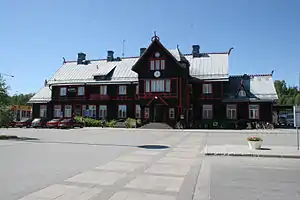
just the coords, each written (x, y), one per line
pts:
(160, 85)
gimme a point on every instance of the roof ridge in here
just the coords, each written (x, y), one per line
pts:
(250, 75)
(190, 54)
(100, 59)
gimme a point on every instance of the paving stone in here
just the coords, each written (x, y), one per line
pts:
(168, 169)
(55, 191)
(88, 194)
(178, 161)
(97, 177)
(160, 183)
(135, 158)
(120, 166)
(129, 195)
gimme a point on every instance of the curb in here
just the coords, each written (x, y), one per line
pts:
(253, 155)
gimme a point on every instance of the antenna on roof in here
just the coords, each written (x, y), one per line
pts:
(123, 45)
(64, 60)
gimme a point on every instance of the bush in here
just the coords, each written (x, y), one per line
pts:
(111, 123)
(254, 138)
(6, 116)
(130, 123)
(89, 122)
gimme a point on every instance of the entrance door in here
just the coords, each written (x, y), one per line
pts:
(159, 113)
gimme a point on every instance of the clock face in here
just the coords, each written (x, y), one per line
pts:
(157, 74)
(157, 54)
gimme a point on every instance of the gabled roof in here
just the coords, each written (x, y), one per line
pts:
(258, 87)
(43, 96)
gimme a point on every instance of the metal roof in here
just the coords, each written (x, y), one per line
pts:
(209, 66)
(43, 96)
(257, 87)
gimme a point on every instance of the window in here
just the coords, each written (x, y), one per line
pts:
(253, 111)
(157, 64)
(137, 89)
(146, 114)
(152, 64)
(84, 114)
(103, 90)
(63, 91)
(122, 90)
(122, 111)
(207, 88)
(171, 113)
(77, 110)
(43, 111)
(207, 112)
(92, 111)
(162, 64)
(57, 110)
(68, 111)
(231, 111)
(168, 85)
(137, 111)
(80, 91)
(102, 111)
(242, 93)
(147, 85)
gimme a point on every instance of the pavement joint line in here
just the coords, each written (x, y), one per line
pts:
(253, 155)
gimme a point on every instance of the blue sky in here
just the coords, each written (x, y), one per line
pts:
(35, 35)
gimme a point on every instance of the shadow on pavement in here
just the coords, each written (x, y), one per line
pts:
(153, 147)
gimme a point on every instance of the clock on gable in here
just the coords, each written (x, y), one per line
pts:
(157, 54)
(157, 74)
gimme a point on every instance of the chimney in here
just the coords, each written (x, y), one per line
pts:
(142, 50)
(196, 51)
(110, 55)
(81, 58)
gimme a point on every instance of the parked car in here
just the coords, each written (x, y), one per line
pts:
(282, 122)
(53, 123)
(38, 123)
(12, 124)
(24, 123)
(290, 120)
(70, 123)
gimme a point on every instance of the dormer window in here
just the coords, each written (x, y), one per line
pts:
(242, 93)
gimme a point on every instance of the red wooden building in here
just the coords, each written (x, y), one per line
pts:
(160, 85)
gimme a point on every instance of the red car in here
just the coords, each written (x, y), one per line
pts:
(24, 123)
(53, 123)
(70, 123)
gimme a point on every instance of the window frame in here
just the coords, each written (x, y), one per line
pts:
(205, 111)
(157, 64)
(63, 91)
(257, 109)
(207, 88)
(119, 89)
(122, 116)
(137, 89)
(79, 91)
(104, 111)
(69, 110)
(158, 85)
(243, 93)
(44, 108)
(55, 109)
(147, 113)
(91, 111)
(103, 90)
(230, 110)
(138, 111)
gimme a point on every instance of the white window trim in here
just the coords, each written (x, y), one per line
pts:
(102, 114)
(56, 111)
(43, 111)
(157, 64)
(137, 89)
(83, 110)
(137, 111)
(103, 90)
(230, 110)
(124, 111)
(68, 111)
(63, 91)
(205, 111)
(80, 91)
(255, 111)
(147, 86)
(207, 88)
(147, 113)
(242, 93)
(171, 113)
(92, 111)
(122, 90)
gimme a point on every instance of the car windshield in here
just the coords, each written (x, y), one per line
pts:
(54, 120)
(36, 120)
(24, 120)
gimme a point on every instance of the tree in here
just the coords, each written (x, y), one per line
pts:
(5, 112)
(290, 101)
(286, 95)
(297, 99)
(20, 99)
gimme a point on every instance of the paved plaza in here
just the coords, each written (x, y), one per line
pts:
(116, 164)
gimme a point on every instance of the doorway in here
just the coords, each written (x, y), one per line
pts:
(159, 113)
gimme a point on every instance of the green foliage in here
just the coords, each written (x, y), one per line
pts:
(89, 122)
(286, 95)
(297, 99)
(130, 123)
(6, 114)
(111, 123)
(20, 99)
